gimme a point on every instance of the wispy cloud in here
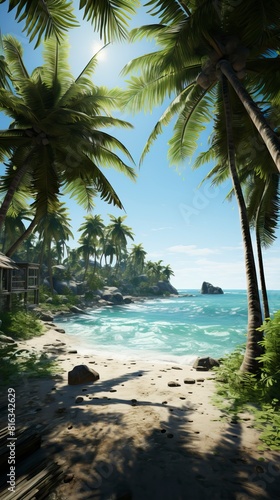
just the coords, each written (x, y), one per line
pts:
(161, 228)
(192, 250)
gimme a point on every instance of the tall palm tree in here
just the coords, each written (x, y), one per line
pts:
(55, 228)
(118, 233)
(200, 51)
(155, 269)
(167, 272)
(137, 258)
(45, 18)
(86, 249)
(263, 205)
(92, 232)
(56, 141)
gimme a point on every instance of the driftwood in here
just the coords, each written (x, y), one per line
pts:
(27, 441)
(36, 475)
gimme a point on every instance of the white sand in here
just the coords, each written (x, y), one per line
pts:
(133, 436)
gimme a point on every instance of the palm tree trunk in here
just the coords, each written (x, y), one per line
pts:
(253, 349)
(50, 271)
(269, 137)
(22, 238)
(261, 266)
(262, 277)
(10, 193)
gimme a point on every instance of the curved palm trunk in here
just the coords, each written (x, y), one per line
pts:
(253, 349)
(262, 277)
(22, 238)
(10, 193)
(86, 265)
(261, 268)
(50, 271)
(269, 137)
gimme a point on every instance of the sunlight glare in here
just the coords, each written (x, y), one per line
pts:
(96, 46)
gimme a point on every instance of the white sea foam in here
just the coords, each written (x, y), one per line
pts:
(166, 328)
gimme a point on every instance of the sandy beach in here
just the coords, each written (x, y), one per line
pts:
(132, 434)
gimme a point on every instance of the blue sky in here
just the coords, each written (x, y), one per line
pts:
(192, 228)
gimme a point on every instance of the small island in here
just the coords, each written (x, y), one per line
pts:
(208, 288)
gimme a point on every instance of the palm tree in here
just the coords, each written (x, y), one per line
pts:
(137, 258)
(93, 231)
(53, 228)
(263, 205)
(167, 272)
(118, 233)
(199, 53)
(86, 249)
(155, 269)
(55, 17)
(55, 142)
(14, 226)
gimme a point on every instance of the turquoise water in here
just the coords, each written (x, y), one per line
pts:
(176, 328)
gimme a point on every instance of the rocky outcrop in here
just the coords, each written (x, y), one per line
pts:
(205, 364)
(82, 374)
(166, 287)
(208, 288)
(65, 287)
(112, 294)
(4, 339)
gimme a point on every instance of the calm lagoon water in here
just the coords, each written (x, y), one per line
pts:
(175, 329)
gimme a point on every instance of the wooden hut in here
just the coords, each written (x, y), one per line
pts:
(19, 279)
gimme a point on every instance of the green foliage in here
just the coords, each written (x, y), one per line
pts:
(16, 363)
(21, 325)
(270, 360)
(94, 281)
(237, 391)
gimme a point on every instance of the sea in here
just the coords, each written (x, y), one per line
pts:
(175, 329)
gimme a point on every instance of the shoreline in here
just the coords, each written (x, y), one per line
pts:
(132, 435)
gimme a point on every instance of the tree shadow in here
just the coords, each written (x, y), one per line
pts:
(119, 448)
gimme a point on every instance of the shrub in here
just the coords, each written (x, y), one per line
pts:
(260, 395)
(21, 325)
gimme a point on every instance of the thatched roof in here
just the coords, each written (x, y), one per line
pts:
(6, 262)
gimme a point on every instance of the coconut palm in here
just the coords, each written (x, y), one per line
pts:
(200, 59)
(56, 141)
(86, 250)
(92, 232)
(53, 228)
(167, 272)
(137, 258)
(155, 269)
(263, 205)
(198, 42)
(55, 17)
(117, 232)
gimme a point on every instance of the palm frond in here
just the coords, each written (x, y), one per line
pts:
(168, 12)
(44, 18)
(56, 72)
(82, 192)
(109, 17)
(173, 109)
(197, 112)
(13, 55)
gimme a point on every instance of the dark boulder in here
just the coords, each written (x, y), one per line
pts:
(166, 287)
(208, 288)
(112, 294)
(81, 374)
(205, 364)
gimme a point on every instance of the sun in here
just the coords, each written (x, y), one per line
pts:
(96, 47)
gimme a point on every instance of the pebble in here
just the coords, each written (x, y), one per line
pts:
(79, 399)
(189, 381)
(173, 384)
